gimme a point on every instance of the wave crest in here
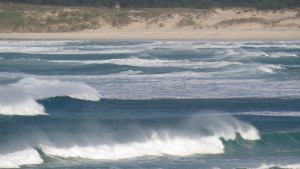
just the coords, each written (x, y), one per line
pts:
(16, 159)
(139, 62)
(14, 101)
(186, 142)
(269, 166)
(41, 89)
(20, 98)
(155, 146)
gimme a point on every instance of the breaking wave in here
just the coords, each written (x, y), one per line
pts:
(155, 146)
(14, 101)
(41, 89)
(20, 98)
(269, 68)
(166, 142)
(16, 159)
(134, 61)
(267, 113)
(282, 54)
(279, 166)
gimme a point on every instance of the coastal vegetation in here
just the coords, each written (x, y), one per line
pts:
(17, 17)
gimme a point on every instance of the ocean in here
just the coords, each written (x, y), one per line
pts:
(150, 104)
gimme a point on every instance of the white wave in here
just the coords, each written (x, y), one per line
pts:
(155, 146)
(165, 142)
(41, 89)
(267, 113)
(34, 43)
(218, 45)
(81, 47)
(285, 45)
(140, 75)
(287, 166)
(128, 72)
(60, 50)
(227, 52)
(20, 98)
(14, 101)
(246, 53)
(133, 61)
(16, 159)
(226, 127)
(269, 68)
(282, 54)
(231, 52)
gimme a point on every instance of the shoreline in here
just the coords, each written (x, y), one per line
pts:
(163, 35)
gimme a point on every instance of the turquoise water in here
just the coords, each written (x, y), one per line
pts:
(149, 104)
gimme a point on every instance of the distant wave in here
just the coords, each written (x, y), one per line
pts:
(161, 143)
(269, 68)
(279, 166)
(62, 47)
(285, 45)
(134, 61)
(41, 89)
(56, 51)
(89, 47)
(16, 159)
(282, 54)
(267, 113)
(20, 98)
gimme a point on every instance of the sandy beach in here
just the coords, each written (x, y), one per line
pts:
(58, 23)
(122, 35)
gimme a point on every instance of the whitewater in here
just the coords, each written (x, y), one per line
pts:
(149, 104)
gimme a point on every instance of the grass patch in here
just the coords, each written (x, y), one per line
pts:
(11, 18)
(243, 21)
(185, 22)
(121, 14)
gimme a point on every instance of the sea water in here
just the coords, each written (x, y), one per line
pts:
(149, 104)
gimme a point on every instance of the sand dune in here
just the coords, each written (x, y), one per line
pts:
(177, 24)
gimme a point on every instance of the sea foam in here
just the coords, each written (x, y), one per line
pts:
(16, 159)
(290, 166)
(155, 146)
(14, 101)
(269, 68)
(163, 142)
(20, 98)
(139, 62)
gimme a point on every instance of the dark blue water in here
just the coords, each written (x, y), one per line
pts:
(163, 104)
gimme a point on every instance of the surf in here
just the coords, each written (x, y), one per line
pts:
(17, 159)
(20, 98)
(202, 135)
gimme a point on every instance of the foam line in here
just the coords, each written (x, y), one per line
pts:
(138, 62)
